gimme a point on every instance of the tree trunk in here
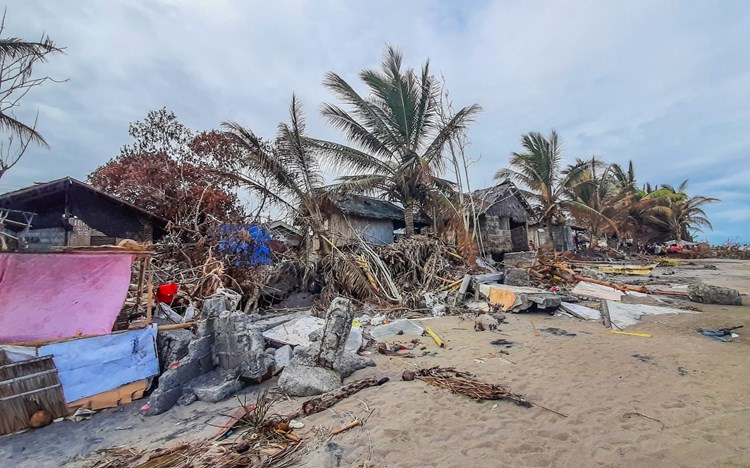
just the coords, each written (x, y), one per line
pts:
(409, 218)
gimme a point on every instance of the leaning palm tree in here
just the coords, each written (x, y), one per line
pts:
(291, 164)
(395, 135)
(679, 213)
(538, 170)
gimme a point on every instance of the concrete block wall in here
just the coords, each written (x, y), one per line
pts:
(496, 239)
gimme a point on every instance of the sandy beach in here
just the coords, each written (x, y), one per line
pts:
(676, 399)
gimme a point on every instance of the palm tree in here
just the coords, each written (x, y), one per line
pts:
(593, 198)
(395, 135)
(680, 213)
(625, 181)
(539, 169)
(291, 163)
(17, 58)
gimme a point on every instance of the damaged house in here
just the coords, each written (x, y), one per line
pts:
(373, 219)
(68, 212)
(503, 214)
(563, 235)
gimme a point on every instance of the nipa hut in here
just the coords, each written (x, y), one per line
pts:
(503, 214)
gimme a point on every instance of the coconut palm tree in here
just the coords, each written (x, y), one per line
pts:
(625, 181)
(291, 164)
(395, 136)
(17, 58)
(680, 213)
(539, 171)
(594, 199)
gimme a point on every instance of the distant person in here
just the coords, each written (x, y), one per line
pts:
(532, 246)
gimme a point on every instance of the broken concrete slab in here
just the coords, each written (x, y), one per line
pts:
(216, 386)
(226, 341)
(708, 294)
(581, 312)
(304, 330)
(597, 291)
(300, 379)
(266, 323)
(478, 306)
(349, 363)
(295, 332)
(517, 277)
(624, 315)
(345, 365)
(215, 305)
(197, 362)
(517, 298)
(283, 356)
(400, 326)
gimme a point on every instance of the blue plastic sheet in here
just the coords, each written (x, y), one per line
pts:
(88, 366)
(246, 245)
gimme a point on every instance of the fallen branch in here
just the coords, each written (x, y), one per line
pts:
(351, 425)
(327, 400)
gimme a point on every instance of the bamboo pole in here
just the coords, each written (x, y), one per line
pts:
(177, 326)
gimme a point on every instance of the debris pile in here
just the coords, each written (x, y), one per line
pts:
(260, 438)
(399, 274)
(320, 367)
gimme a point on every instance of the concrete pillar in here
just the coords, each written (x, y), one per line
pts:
(338, 325)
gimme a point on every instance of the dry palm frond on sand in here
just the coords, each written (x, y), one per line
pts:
(465, 384)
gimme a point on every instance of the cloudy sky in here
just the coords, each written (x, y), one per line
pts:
(665, 84)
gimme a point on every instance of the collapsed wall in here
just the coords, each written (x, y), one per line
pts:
(225, 355)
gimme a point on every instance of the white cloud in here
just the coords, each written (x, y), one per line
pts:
(661, 83)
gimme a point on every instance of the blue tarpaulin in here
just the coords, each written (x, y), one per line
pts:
(88, 366)
(246, 245)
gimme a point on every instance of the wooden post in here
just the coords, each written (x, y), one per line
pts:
(141, 273)
(150, 290)
(605, 314)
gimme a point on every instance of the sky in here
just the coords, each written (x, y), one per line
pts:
(665, 84)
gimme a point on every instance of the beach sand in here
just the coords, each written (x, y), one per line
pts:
(676, 399)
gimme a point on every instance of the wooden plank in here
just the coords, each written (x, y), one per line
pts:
(119, 396)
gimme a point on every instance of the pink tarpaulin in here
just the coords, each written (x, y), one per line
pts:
(49, 296)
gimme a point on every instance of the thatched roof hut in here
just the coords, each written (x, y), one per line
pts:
(503, 214)
(503, 199)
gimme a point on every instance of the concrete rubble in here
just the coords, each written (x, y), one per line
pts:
(226, 343)
(517, 298)
(320, 367)
(581, 312)
(624, 315)
(517, 277)
(283, 356)
(303, 331)
(708, 294)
